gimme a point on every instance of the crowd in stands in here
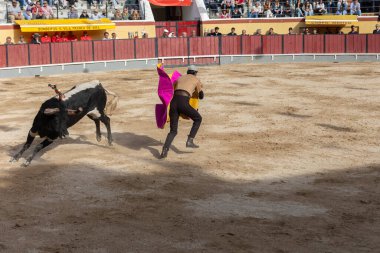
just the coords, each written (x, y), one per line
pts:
(275, 8)
(43, 9)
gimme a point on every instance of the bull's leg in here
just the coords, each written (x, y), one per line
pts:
(27, 144)
(97, 124)
(37, 149)
(107, 122)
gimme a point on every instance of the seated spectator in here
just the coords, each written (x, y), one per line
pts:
(63, 37)
(287, 10)
(236, 13)
(184, 35)
(320, 8)
(114, 36)
(224, 14)
(353, 31)
(70, 2)
(212, 31)
(96, 15)
(315, 31)
(171, 35)
(271, 32)
(256, 10)
(308, 9)
(36, 39)
(71, 36)
(355, 8)
(299, 9)
(47, 11)
(193, 33)
(341, 7)
(106, 36)
(8, 41)
(216, 32)
(13, 11)
(19, 16)
(135, 15)
(28, 15)
(117, 15)
(258, 32)
(267, 10)
(239, 5)
(165, 34)
(212, 6)
(85, 36)
(84, 14)
(306, 31)
(114, 3)
(277, 9)
(244, 33)
(72, 13)
(103, 14)
(232, 33)
(227, 5)
(45, 38)
(145, 35)
(133, 4)
(377, 29)
(56, 38)
(125, 14)
(290, 31)
(137, 35)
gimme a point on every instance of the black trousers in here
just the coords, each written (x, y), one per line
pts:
(180, 105)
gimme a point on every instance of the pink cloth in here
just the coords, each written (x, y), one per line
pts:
(165, 93)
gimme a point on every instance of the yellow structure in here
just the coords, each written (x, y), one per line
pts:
(64, 25)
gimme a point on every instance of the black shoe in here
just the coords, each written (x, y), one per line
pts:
(164, 153)
(190, 143)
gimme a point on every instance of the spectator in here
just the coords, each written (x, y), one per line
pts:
(232, 33)
(103, 14)
(287, 10)
(216, 32)
(63, 37)
(377, 29)
(47, 11)
(70, 2)
(28, 15)
(193, 33)
(84, 14)
(299, 9)
(165, 34)
(224, 14)
(145, 35)
(135, 15)
(320, 8)
(8, 41)
(290, 31)
(267, 10)
(340, 32)
(13, 11)
(125, 14)
(56, 38)
(308, 9)
(96, 15)
(353, 31)
(277, 9)
(341, 7)
(271, 32)
(256, 10)
(113, 36)
(71, 36)
(72, 13)
(184, 35)
(315, 32)
(212, 31)
(244, 33)
(85, 36)
(355, 8)
(106, 36)
(21, 40)
(306, 31)
(258, 32)
(45, 38)
(117, 15)
(137, 35)
(36, 39)
(227, 5)
(172, 35)
(236, 13)
(19, 16)
(239, 5)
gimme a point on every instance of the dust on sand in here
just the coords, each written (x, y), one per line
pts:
(289, 162)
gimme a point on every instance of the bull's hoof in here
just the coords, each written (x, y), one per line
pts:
(99, 138)
(13, 159)
(26, 163)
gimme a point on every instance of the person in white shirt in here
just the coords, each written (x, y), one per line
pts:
(355, 8)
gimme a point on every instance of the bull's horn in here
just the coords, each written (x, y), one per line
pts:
(51, 111)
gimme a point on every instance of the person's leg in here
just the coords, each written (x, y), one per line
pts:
(189, 111)
(174, 117)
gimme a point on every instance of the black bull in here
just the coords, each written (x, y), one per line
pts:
(56, 116)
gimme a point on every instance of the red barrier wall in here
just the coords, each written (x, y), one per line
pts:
(272, 44)
(17, 55)
(61, 52)
(3, 55)
(231, 45)
(82, 51)
(173, 47)
(204, 46)
(313, 43)
(39, 54)
(334, 44)
(103, 50)
(293, 44)
(124, 49)
(145, 48)
(373, 43)
(252, 45)
(356, 43)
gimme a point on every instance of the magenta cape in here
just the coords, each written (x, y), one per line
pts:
(165, 93)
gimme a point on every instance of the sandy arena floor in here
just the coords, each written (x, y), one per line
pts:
(289, 162)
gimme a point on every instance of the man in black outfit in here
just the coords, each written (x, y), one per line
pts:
(185, 87)
(377, 30)
(232, 33)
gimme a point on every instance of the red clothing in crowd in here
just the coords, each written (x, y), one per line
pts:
(72, 37)
(56, 38)
(45, 38)
(85, 37)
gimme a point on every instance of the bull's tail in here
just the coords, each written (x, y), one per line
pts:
(112, 101)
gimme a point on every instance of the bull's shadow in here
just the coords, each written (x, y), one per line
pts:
(137, 142)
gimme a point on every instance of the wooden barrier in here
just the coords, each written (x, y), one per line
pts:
(293, 44)
(82, 51)
(61, 52)
(39, 54)
(231, 45)
(356, 43)
(373, 41)
(104, 50)
(199, 46)
(18, 55)
(334, 43)
(3, 56)
(272, 44)
(145, 48)
(252, 45)
(313, 43)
